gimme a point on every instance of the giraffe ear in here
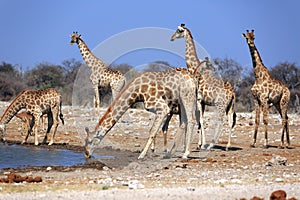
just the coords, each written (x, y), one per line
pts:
(180, 28)
(243, 34)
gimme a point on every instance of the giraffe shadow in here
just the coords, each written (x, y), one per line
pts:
(223, 148)
(219, 147)
(277, 147)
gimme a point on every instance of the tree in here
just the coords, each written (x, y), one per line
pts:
(46, 75)
(289, 74)
(11, 81)
(229, 70)
(71, 68)
(244, 96)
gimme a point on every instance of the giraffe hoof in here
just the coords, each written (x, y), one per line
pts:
(142, 156)
(252, 145)
(167, 156)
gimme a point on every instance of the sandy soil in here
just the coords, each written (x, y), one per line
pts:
(242, 172)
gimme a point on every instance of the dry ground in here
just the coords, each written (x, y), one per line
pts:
(242, 172)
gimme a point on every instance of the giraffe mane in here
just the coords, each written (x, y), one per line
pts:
(189, 32)
(12, 103)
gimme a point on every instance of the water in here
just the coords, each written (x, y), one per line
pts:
(14, 156)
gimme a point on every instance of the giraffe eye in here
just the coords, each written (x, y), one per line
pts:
(179, 31)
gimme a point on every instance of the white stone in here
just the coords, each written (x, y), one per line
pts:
(278, 180)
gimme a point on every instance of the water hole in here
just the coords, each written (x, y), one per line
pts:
(16, 156)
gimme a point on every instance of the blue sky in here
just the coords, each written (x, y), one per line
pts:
(35, 31)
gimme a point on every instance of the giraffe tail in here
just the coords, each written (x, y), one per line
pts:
(234, 119)
(61, 116)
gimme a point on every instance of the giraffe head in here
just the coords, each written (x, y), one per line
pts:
(2, 132)
(249, 36)
(92, 140)
(180, 32)
(74, 37)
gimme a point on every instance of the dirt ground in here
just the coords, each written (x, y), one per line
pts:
(240, 173)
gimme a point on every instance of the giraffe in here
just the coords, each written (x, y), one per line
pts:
(102, 76)
(36, 103)
(28, 121)
(211, 90)
(266, 91)
(159, 91)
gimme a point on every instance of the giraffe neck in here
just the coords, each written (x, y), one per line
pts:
(17, 104)
(89, 58)
(191, 57)
(260, 70)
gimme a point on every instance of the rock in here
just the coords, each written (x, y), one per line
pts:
(191, 189)
(105, 168)
(256, 198)
(278, 195)
(135, 184)
(278, 180)
(277, 160)
(14, 178)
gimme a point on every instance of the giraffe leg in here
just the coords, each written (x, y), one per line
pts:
(265, 109)
(220, 125)
(160, 118)
(178, 137)
(97, 97)
(257, 121)
(288, 143)
(285, 120)
(179, 134)
(165, 130)
(28, 123)
(116, 88)
(36, 128)
(282, 109)
(231, 123)
(188, 116)
(201, 132)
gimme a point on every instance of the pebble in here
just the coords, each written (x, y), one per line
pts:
(191, 189)
(135, 184)
(105, 168)
(276, 160)
(236, 181)
(278, 180)
(221, 181)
